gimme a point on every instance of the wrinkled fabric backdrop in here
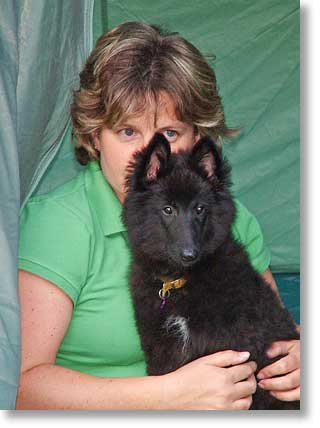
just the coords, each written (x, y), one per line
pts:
(254, 49)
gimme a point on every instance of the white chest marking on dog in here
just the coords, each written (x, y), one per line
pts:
(178, 326)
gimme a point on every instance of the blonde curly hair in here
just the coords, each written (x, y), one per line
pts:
(128, 68)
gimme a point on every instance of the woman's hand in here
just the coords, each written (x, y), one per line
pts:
(220, 381)
(286, 387)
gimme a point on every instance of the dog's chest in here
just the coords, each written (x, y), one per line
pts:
(184, 324)
(188, 326)
(178, 328)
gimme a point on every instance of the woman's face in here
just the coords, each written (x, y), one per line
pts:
(117, 145)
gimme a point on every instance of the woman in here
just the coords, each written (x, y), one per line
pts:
(80, 348)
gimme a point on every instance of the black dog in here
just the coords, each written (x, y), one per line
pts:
(178, 214)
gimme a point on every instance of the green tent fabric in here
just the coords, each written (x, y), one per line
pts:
(54, 41)
(289, 287)
(44, 46)
(9, 209)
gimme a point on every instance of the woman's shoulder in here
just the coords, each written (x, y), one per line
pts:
(67, 200)
(243, 217)
(56, 238)
(247, 230)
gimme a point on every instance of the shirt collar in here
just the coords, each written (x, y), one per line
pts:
(103, 200)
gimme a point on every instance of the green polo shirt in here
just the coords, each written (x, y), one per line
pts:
(74, 237)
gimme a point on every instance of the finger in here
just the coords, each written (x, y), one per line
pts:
(242, 404)
(245, 388)
(281, 367)
(242, 371)
(281, 347)
(291, 395)
(282, 383)
(226, 358)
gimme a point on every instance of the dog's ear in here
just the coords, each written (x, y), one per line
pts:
(208, 161)
(206, 158)
(148, 165)
(156, 157)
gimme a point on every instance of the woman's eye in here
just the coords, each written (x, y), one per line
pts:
(167, 210)
(169, 133)
(127, 132)
(199, 209)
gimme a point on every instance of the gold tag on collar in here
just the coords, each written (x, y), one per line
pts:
(168, 285)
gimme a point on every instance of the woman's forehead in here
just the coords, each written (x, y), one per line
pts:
(156, 110)
(152, 118)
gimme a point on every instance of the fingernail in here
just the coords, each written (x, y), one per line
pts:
(271, 352)
(260, 376)
(244, 355)
(261, 385)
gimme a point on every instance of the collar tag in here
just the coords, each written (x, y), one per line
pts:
(164, 292)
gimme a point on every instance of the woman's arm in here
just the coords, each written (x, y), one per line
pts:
(219, 381)
(45, 315)
(282, 378)
(268, 277)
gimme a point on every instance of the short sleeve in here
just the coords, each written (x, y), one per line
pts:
(54, 244)
(247, 231)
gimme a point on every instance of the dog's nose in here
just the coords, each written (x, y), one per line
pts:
(189, 254)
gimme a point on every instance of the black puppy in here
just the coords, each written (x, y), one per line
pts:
(193, 288)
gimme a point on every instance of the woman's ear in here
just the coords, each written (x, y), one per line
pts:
(197, 135)
(96, 140)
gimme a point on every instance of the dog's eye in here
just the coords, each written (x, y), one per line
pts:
(199, 209)
(167, 210)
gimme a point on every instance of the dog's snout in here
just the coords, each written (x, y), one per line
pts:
(189, 254)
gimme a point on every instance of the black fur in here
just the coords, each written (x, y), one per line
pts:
(226, 303)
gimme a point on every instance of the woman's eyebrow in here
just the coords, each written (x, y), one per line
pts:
(126, 125)
(169, 125)
(179, 125)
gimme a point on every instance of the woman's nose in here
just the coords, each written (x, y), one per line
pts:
(147, 138)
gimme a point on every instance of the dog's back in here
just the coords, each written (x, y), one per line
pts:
(179, 214)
